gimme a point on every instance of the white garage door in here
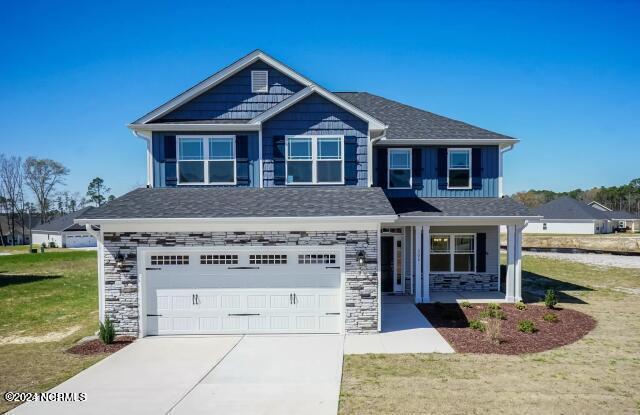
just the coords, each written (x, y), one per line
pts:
(254, 290)
(79, 241)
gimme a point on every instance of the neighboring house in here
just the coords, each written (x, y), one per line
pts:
(62, 232)
(622, 220)
(566, 215)
(276, 206)
(21, 230)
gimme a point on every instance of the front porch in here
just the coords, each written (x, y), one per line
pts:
(481, 297)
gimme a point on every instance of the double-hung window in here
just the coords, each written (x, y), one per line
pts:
(459, 168)
(206, 160)
(399, 168)
(315, 160)
(453, 253)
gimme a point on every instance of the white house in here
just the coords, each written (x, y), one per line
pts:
(62, 232)
(621, 219)
(567, 215)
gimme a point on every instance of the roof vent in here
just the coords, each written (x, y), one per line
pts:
(259, 81)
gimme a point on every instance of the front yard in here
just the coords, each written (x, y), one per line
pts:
(598, 374)
(47, 303)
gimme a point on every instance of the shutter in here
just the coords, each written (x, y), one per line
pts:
(242, 160)
(279, 170)
(169, 160)
(382, 167)
(416, 168)
(476, 168)
(481, 252)
(442, 168)
(351, 160)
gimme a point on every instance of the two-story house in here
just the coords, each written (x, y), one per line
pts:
(276, 206)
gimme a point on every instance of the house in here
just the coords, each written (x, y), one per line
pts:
(621, 219)
(276, 206)
(17, 229)
(566, 215)
(62, 232)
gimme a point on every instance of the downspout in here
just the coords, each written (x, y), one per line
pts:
(370, 158)
(149, 141)
(501, 174)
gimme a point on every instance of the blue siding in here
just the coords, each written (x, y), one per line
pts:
(489, 175)
(161, 169)
(315, 115)
(233, 100)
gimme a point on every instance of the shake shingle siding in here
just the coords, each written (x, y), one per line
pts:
(233, 100)
(316, 116)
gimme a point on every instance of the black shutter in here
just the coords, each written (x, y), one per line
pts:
(169, 160)
(442, 168)
(382, 167)
(476, 168)
(351, 160)
(242, 160)
(416, 168)
(481, 252)
(279, 170)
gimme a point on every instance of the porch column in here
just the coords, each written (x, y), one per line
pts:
(418, 264)
(518, 264)
(511, 263)
(426, 248)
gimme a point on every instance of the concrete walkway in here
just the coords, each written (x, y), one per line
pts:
(209, 374)
(404, 330)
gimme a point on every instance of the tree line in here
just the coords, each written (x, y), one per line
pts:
(31, 189)
(625, 197)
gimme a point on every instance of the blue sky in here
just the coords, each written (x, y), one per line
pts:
(564, 77)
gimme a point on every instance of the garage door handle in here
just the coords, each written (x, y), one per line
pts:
(243, 314)
(332, 267)
(152, 269)
(243, 267)
(154, 315)
(332, 314)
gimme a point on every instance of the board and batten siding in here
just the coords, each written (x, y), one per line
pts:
(316, 115)
(164, 165)
(232, 99)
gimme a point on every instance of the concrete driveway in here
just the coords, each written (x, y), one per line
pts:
(212, 374)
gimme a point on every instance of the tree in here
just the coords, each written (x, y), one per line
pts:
(43, 176)
(97, 191)
(11, 180)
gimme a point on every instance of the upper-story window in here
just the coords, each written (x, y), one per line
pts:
(206, 160)
(315, 160)
(459, 168)
(399, 168)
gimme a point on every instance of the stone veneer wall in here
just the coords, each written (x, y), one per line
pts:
(463, 282)
(361, 290)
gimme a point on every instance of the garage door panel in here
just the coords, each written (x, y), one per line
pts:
(280, 300)
(209, 324)
(230, 301)
(257, 301)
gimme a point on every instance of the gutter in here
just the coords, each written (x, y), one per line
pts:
(234, 220)
(370, 158)
(147, 137)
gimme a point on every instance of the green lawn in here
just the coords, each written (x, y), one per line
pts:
(47, 302)
(598, 374)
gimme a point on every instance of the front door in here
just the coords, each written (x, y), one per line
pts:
(387, 263)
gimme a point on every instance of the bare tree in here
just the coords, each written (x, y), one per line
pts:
(11, 180)
(43, 176)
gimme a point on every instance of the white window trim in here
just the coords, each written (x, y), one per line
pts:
(452, 251)
(260, 91)
(389, 168)
(206, 160)
(314, 159)
(449, 168)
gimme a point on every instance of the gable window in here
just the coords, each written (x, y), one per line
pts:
(259, 81)
(459, 168)
(206, 160)
(453, 253)
(399, 168)
(315, 160)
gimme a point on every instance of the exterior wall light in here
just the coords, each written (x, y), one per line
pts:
(119, 260)
(361, 259)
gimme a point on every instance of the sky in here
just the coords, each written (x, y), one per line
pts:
(563, 77)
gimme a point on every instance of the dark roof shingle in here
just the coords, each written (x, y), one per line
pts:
(460, 206)
(566, 207)
(62, 223)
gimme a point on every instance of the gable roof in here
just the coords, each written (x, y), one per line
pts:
(599, 206)
(63, 223)
(566, 207)
(143, 123)
(409, 123)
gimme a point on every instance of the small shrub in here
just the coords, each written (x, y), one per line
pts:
(497, 314)
(526, 326)
(494, 306)
(521, 306)
(466, 304)
(52, 244)
(493, 331)
(550, 298)
(476, 325)
(550, 318)
(107, 333)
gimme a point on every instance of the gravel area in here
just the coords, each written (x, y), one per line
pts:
(603, 260)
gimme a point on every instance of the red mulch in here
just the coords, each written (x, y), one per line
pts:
(452, 321)
(96, 346)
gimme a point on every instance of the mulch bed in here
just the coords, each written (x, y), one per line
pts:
(96, 346)
(452, 322)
